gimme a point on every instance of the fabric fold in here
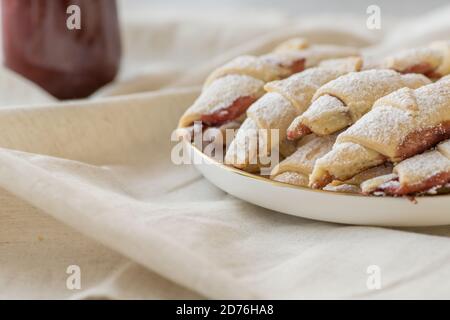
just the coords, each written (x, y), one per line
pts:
(102, 167)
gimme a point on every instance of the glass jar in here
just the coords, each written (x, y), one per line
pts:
(69, 48)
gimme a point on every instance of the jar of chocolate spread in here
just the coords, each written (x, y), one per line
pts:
(69, 48)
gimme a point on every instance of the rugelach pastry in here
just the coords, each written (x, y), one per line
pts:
(341, 102)
(243, 150)
(353, 185)
(400, 125)
(232, 88)
(284, 100)
(296, 168)
(432, 61)
(321, 116)
(286, 60)
(428, 172)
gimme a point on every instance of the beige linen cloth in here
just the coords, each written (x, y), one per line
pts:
(90, 183)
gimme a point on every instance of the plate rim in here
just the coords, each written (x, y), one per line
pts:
(213, 161)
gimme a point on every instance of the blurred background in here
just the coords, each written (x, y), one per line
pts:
(215, 27)
(161, 40)
(299, 7)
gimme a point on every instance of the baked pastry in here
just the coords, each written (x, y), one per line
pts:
(292, 44)
(432, 61)
(222, 133)
(353, 185)
(284, 100)
(400, 125)
(224, 100)
(249, 151)
(243, 151)
(396, 121)
(232, 88)
(341, 102)
(424, 173)
(296, 168)
(286, 60)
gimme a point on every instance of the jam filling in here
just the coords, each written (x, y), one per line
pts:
(236, 109)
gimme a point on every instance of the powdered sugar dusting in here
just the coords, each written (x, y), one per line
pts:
(421, 167)
(359, 90)
(224, 91)
(385, 127)
(409, 58)
(304, 158)
(247, 65)
(322, 107)
(278, 65)
(293, 178)
(273, 111)
(382, 130)
(300, 87)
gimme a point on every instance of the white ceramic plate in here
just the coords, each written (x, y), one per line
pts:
(324, 205)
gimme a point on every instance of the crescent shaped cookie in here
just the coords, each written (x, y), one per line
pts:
(341, 102)
(224, 100)
(432, 61)
(296, 168)
(282, 63)
(287, 98)
(426, 172)
(400, 125)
